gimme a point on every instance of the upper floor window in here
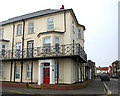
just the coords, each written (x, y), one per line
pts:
(30, 48)
(56, 44)
(50, 24)
(18, 72)
(29, 67)
(19, 29)
(47, 44)
(1, 33)
(3, 50)
(73, 26)
(2, 71)
(31, 27)
(18, 50)
(79, 33)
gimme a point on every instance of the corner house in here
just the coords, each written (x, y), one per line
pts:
(43, 47)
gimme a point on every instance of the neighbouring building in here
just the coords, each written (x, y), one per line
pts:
(110, 69)
(116, 67)
(43, 47)
(102, 70)
(91, 64)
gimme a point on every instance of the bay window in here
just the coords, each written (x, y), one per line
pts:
(47, 44)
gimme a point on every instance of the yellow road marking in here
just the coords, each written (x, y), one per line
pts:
(109, 92)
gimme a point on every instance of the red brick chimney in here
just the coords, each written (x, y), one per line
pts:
(62, 7)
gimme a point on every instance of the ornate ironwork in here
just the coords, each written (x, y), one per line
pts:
(61, 50)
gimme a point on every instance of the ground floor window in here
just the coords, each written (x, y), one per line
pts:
(2, 71)
(56, 70)
(18, 72)
(29, 68)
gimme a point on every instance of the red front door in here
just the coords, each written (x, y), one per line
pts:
(46, 75)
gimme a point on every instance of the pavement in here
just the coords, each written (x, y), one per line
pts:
(95, 87)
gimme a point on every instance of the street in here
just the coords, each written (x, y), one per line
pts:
(96, 87)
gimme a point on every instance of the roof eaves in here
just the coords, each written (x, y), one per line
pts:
(77, 20)
(31, 15)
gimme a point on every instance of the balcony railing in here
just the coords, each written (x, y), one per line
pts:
(50, 51)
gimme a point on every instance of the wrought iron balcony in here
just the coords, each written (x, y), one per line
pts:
(46, 51)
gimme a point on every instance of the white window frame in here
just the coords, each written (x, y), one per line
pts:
(50, 23)
(19, 29)
(19, 45)
(29, 71)
(1, 33)
(31, 27)
(56, 75)
(73, 26)
(79, 33)
(57, 44)
(18, 49)
(17, 72)
(3, 49)
(45, 46)
(2, 70)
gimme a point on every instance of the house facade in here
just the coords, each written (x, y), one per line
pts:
(43, 47)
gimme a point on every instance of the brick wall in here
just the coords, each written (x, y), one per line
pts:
(47, 86)
(13, 84)
(65, 87)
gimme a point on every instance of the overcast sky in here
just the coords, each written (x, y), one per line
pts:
(100, 18)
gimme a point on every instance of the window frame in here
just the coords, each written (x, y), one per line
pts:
(50, 26)
(57, 49)
(46, 46)
(2, 70)
(1, 33)
(79, 33)
(56, 74)
(17, 72)
(29, 71)
(30, 51)
(19, 30)
(73, 26)
(17, 50)
(31, 27)
(3, 52)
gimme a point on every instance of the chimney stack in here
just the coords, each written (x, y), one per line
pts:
(62, 7)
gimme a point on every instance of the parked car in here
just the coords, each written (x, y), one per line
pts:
(114, 75)
(105, 77)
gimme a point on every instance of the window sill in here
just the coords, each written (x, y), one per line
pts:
(28, 79)
(31, 33)
(18, 35)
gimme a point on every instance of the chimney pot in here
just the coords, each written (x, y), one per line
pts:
(62, 7)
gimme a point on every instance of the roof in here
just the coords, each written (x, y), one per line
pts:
(102, 68)
(37, 14)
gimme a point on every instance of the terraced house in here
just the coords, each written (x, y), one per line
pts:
(43, 47)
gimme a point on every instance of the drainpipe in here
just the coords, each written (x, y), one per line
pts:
(23, 37)
(57, 71)
(12, 52)
(13, 40)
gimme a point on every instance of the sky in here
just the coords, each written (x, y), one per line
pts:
(100, 17)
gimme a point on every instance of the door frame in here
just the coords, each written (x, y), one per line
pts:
(40, 70)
